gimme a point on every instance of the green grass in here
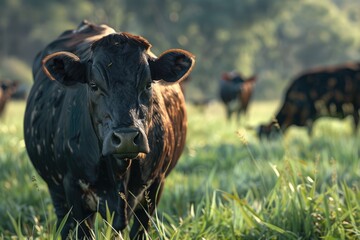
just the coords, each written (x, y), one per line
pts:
(227, 185)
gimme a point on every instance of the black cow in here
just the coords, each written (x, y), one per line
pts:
(111, 126)
(330, 91)
(235, 93)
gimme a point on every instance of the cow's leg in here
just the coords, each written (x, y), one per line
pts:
(310, 127)
(340, 110)
(238, 113)
(114, 198)
(356, 119)
(228, 112)
(74, 200)
(310, 114)
(57, 194)
(143, 213)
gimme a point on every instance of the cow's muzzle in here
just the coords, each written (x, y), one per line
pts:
(125, 142)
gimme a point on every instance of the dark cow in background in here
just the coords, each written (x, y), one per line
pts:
(235, 93)
(7, 89)
(330, 91)
(105, 123)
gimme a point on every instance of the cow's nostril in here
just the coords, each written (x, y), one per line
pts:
(125, 141)
(116, 140)
(137, 139)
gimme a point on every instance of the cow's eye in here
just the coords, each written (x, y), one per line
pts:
(93, 86)
(148, 86)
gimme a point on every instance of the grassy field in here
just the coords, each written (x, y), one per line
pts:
(227, 185)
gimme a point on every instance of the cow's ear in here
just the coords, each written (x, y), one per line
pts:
(64, 67)
(172, 66)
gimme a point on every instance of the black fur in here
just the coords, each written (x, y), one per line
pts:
(104, 132)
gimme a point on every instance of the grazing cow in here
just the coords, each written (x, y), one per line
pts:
(105, 123)
(7, 89)
(331, 91)
(235, 93)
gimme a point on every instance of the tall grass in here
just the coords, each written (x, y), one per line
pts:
(227, 185)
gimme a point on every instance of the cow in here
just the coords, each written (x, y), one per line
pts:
(7, 89)
(105, 123)
(328, 91)
(235, 93)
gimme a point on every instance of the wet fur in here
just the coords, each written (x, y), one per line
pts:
(64, 148)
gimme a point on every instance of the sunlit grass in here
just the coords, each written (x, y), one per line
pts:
(227, 184)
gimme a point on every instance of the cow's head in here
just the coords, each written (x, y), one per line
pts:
(269, 131)
(119, 77)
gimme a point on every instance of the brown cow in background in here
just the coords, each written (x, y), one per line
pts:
(7, 89)
(236, 92)
(330, 91)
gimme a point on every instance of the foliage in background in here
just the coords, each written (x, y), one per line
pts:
(274, 39)
(15, 69)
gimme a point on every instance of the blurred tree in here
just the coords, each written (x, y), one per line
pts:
(218, 32)
(273, 39)
(313, 33)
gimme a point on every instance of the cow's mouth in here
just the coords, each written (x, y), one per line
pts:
(129, 156)
(125, 156)
(116, 167)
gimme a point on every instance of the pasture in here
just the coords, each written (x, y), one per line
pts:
(227, 184)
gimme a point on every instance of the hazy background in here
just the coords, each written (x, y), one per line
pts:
(228, 184)
(274, 39)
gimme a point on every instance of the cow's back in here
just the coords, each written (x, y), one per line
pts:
(77, 41)
(319, 83)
